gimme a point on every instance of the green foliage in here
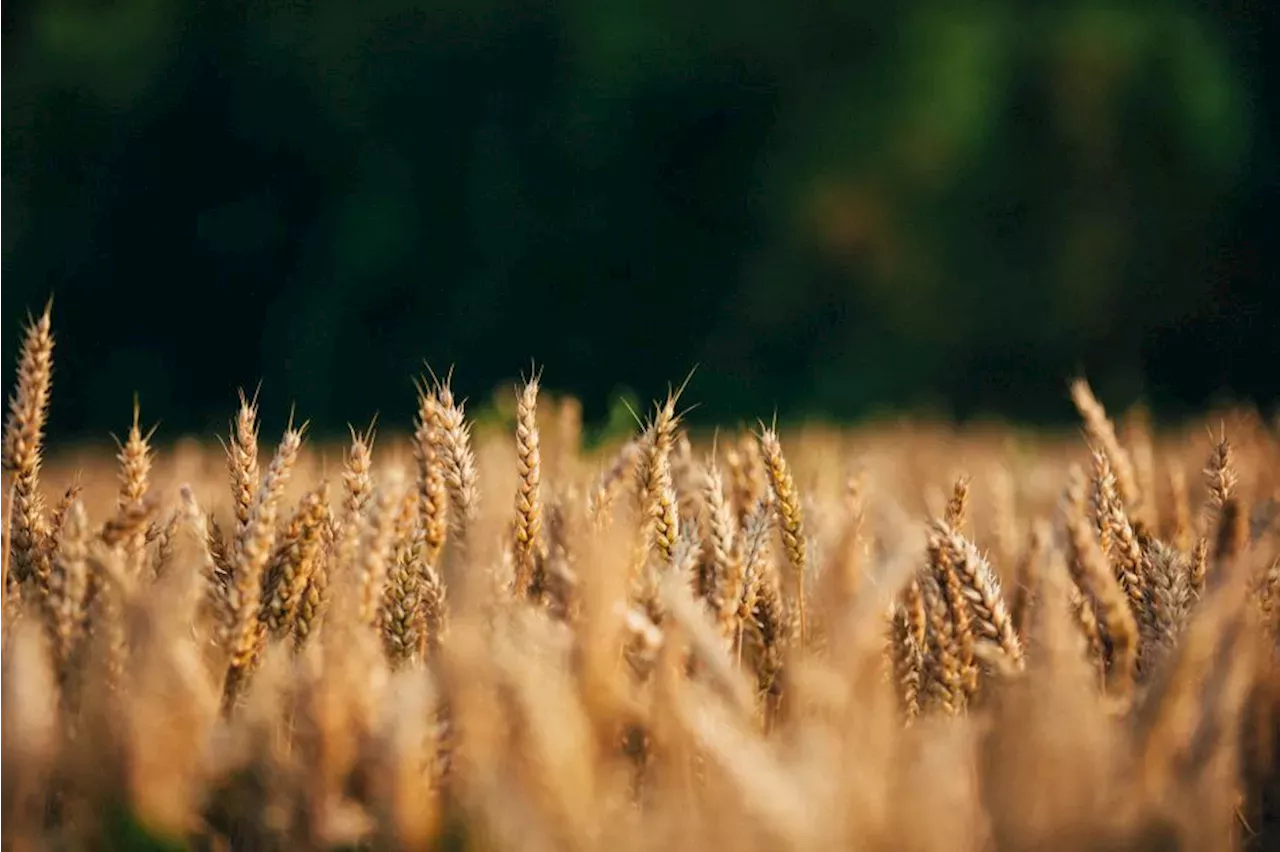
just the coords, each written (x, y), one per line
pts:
(620, 423)
(125, 834)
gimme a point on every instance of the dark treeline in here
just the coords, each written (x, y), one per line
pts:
(832, 208)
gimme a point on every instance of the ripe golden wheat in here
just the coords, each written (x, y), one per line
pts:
(473, 637)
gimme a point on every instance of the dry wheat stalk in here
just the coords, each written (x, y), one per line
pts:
(958, 505)
(790, 516)
(69, 589)
(1089, 570)
(135, 460)
(253, 551)
(59, 514)
(528, 522)
(1225, 509)
(959, 633)
(1127, 559)
(242, 460)
(720, 580)
(656, 485)
(944, 678)
(981, 592)
(432, 493)
(1102, 434)
(452, 441)
(23, 442)
(1171, 594)
(297, 556)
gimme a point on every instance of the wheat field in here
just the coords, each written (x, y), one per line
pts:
(480, 636)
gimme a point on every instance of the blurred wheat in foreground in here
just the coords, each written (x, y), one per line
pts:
(470, 637)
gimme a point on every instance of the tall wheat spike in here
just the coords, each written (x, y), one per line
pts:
(23, 445)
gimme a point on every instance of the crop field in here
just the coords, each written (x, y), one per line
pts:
(478, 634)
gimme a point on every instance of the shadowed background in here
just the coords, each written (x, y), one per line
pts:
(835, 209)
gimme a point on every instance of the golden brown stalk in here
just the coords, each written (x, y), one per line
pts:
(958, 505)
(908, 664)
(1225, 510)
(293, 563)
(406, 514)
(23, 442)
(164, 544)
(914, 613)
(720, 577)
(342, 569)
(426, 589)
(944, 673)
(402, 610)
(981, 591)
(754, 558)
(768, 630)
(657, 487)
(357, 477)
(1199, 566)
(528, 526)
(790, 517)
(68, 589)
(1102, 433)
(127, 523)
(942, 566)
(1220, 474)
(314, 599)
(60, 509)
(218, 552)
(452, 435)
(433, 496)
(1171, 594)
(253, 551)
(1125, 553)
(242, 461)
(1090, 572)
(134, 457)
(435, 611)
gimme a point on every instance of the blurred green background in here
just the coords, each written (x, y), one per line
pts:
(836, 209)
